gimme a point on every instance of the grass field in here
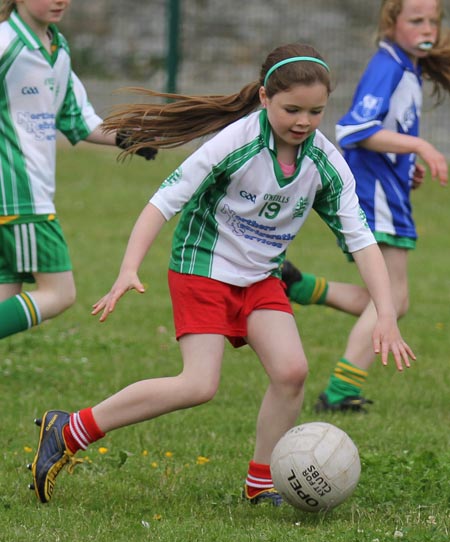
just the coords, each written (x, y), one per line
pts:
(179, 478)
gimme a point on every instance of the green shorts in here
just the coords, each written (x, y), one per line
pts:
(395, 240)
(392, 241)
(32, 247)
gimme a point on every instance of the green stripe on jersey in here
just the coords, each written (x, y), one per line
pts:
(27, 35)
(327, 206)
(196, 233)
(14, 182)
(69, 119)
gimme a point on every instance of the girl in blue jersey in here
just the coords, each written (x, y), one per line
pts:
(380, 138)
(39, 94)
(243, 196)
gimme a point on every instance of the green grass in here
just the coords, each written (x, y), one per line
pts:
(136, 490)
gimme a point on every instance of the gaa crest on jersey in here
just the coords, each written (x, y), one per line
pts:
(50, 83)
(172, 179)
(367, 108)
(300, 207)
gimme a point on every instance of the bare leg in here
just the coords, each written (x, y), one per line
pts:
(346, 297)
(9, 290)
(196, 384)
(359, 350)
(274, 337)
(54, 293)
(306, 289)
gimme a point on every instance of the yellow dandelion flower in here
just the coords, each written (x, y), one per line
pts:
(27, 449)
(201, 460)
(154, 464)
(168, 454)
(145, 453)
(157, 517)
(102, 450)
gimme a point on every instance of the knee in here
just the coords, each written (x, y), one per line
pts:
(66, 298)
(204, 394)
(403, 306)
(70, 297)
(200, 391)
(292, 376)
(55, 292)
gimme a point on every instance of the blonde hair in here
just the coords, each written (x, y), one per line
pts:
(6, 7)
(436, 65)
(185, 118)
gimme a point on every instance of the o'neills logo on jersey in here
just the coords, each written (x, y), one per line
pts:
(276, 197)
(30, 90)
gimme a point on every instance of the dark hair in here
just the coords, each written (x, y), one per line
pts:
(295, 73)
(185, 118)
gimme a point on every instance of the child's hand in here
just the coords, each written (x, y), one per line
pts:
(387, 338)
(124, 283)
(435, 160)
(124, 142)
(419, 176)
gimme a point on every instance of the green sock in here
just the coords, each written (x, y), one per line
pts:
(309, 290)
(18, 313)
(346, 381)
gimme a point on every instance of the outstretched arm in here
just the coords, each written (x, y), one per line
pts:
(100, 137)
(144, 232)
(389, 141)
(119, 139)
(386, 335)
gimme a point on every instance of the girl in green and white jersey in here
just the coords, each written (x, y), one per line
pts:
(243, 197)
(39, 94)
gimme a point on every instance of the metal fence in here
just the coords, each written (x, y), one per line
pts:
(221, 46)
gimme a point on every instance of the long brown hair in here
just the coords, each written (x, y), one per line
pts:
(6, 8)
(185, 118)
(436, 65)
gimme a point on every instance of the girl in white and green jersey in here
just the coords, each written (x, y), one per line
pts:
(243, 197)
(39, 94)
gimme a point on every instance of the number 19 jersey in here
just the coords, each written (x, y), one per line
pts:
(238, 211)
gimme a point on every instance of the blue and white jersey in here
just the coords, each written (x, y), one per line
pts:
(388, 96)
(239, 212)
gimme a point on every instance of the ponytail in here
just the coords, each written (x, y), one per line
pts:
(185, 118)
(182, 119)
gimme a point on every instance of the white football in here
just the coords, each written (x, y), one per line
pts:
(315, 466)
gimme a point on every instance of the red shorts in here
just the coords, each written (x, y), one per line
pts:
(204, 305)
